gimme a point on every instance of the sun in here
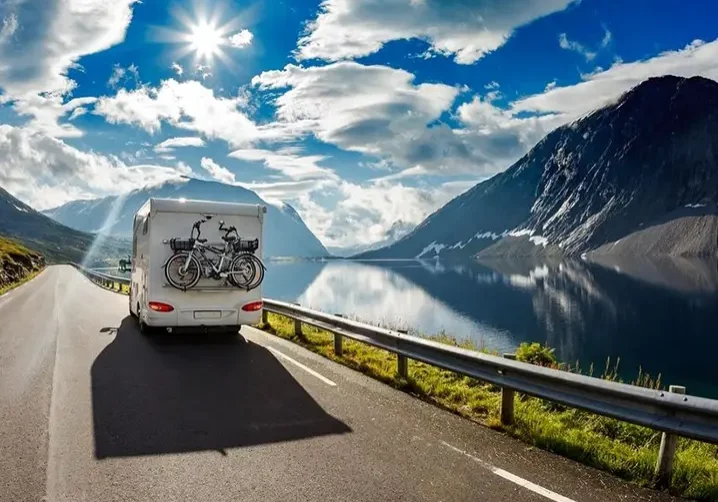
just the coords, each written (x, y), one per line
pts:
(205, 40)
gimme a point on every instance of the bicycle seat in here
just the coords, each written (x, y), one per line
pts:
(202, 240)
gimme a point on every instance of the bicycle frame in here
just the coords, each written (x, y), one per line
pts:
(203, 259)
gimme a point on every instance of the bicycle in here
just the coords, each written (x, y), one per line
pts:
(236, 263)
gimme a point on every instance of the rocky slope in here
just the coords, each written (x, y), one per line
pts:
(285, 233)
(637, 177)
(17, 262)
(57, 242)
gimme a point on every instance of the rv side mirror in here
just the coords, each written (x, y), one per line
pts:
(221, 223)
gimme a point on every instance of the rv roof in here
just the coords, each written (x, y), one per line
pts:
(204, 206)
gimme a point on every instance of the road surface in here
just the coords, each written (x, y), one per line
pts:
(92, 411)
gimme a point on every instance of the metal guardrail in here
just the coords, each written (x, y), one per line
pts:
(106, 280)
(671, 412)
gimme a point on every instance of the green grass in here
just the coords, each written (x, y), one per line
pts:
(627, 450)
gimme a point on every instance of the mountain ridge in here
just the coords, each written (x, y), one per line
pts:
(285, 232)
(638, 176)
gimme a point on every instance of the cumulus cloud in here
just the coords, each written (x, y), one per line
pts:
(46, 172)
(241, 39)
(217, 172)
(186, 105)
(464, 29)
(45, 112)
(170, 144)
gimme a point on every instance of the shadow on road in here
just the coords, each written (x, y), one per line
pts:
(179, 394)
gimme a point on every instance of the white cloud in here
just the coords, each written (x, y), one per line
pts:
(186, 105)
(46, 172)
(289, 161)
(286, 190)
(572, 45)
(586, 52)
(379, 112)
(570, 102)
(39, 44)
(363, 214)
(219, 173)
(46, 111)
(177, 68)
(464, 29)
(170, 144)
(121, 75)
(241, 39)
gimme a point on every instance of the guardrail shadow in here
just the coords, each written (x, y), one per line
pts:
(176, 394)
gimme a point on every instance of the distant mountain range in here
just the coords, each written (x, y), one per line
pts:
(637, 177)
(57, 242)
(398, 230)
(285, 233)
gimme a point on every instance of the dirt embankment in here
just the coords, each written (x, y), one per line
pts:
(17, 262)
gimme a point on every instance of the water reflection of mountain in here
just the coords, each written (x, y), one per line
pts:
(661, 316)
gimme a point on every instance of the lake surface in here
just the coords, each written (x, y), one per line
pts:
(659, 315)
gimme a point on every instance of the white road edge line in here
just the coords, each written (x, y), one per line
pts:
(513, 477)
(300, 365)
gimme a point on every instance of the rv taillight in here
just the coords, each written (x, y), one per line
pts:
(252, 307)
(160, 307)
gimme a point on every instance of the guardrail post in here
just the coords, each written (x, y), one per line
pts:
(507, 400)
(297, 324)
(338, 340)
(667, 451)
(265, 317)
(402, 366)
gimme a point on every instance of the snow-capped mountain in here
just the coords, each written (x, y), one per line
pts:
(285, 233)
(638, 177)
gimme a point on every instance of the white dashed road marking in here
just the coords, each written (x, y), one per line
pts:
(513, 477)
(300, 365)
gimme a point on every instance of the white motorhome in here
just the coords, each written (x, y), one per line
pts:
(214, 303)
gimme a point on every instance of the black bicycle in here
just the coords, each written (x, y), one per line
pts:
(194, 259)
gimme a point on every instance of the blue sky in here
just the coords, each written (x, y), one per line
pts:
(360, 113)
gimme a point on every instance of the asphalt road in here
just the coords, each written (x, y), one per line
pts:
(92, 411)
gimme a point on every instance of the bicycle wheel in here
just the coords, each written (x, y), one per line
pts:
(260, 268)
(242, 272)
(180, 277)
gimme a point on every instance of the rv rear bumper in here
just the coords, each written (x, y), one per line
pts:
(202, 330)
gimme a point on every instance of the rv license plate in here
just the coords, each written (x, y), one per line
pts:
(207, 314)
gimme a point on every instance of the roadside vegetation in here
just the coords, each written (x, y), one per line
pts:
(18, 264)
(626, 450)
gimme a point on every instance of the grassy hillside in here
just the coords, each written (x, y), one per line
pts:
(55, 241)
(17, 263)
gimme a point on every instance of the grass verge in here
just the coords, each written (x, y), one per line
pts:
(623, 449)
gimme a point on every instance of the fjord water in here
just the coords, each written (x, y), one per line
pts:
(659, 315)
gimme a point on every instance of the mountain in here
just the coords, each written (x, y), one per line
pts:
(57, 242)
(637, 177)
(284, 231)
(397, 230)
